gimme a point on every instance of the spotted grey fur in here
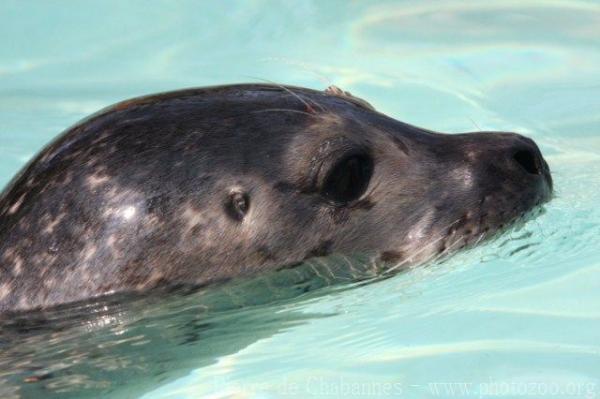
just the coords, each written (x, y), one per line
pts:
(199, 186)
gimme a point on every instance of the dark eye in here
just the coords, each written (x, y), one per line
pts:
(348, 179)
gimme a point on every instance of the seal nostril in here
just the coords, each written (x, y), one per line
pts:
(528, 161)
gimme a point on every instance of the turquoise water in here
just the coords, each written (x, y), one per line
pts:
(519, 316)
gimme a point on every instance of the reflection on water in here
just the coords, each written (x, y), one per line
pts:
(121, 350)
(126, 348)
(123, 345)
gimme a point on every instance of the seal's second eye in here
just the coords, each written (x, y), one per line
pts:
(236, 205)
(348, 179)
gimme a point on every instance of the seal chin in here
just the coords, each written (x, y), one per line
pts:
(470, 229)
(486, 222)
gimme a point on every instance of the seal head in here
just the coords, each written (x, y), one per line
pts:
(202, 185)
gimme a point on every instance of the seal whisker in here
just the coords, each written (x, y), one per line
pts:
(296, 95)
(287, 110)
(351, 266)
(302, 66)
(370, 192)
(405, 261)
(437, 256)
(446, 251)
(308, 103)
(474, 124)
(479, 239)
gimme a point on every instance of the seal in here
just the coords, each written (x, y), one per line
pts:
(203, 185)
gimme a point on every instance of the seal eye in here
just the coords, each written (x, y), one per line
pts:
(237, 205)
(348, 179)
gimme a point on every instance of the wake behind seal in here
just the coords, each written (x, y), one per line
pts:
(203, 185)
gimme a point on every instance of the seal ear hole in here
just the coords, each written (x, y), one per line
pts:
(237, 205)
(348, 179)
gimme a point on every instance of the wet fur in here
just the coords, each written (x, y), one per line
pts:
(135, 196)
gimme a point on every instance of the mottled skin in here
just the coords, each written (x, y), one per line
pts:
(202, 185)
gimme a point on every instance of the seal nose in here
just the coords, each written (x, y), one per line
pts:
(529, 161)
(528, 158)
